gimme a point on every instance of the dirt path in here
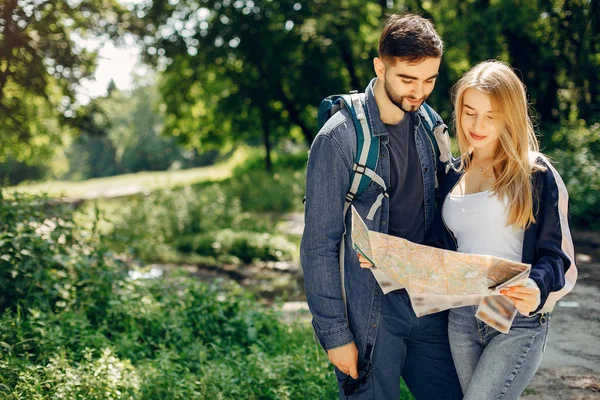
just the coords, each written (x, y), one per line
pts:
(570, 369)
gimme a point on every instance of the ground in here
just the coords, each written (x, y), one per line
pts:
(570, 369)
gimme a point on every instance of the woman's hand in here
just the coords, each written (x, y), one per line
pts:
(526, 297)
(364, 263)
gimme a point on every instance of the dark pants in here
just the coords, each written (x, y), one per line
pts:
(416, 349)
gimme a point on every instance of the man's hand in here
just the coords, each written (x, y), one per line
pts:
(364, 263)
(345, 358)
(526, 297)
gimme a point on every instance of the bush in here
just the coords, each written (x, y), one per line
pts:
(73, 325)
(173, 339)
(578, 162)
(44, 262)
(246, 245)
(280, 161)
(151, 226)
(187, 219)
(261, 191)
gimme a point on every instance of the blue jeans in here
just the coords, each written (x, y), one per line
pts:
(492, 365)
(415, 349)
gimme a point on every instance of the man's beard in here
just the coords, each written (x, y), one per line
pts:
(398, 100)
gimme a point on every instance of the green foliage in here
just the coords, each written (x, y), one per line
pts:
(150, 225)
(553, 44)
(262, 191)
(173, 338)
(41, 65)
(258, 72)
(129, 139)
(281, 161)
(13, 171)
(279, 191)
(578, 161)
(247, 246)
(43, 263)
(170, 223)
(216, 219)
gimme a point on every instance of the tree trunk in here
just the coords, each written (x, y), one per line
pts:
(287, 103)
(345, 46)
(266, 136)
(309, 135)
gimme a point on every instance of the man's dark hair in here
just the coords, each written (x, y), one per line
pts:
(411, 38)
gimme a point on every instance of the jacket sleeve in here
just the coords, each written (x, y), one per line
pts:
(327, 182)
(553, 236)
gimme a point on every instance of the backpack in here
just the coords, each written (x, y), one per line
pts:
(367, 154)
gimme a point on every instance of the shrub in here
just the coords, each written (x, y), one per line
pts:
(44, 263)
(261, 191)
(118, 338)
(578, 162)
(150, 226)
(246, 245)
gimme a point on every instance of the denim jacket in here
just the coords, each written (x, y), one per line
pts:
(328, 174)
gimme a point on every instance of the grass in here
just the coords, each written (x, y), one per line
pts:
(130, 184)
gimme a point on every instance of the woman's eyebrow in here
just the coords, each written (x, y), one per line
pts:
(471, 108)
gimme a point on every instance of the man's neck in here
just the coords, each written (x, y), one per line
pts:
(388, 112)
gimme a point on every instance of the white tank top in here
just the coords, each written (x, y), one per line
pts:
(478, 222)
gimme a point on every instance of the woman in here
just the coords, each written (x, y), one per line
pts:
(503, 198)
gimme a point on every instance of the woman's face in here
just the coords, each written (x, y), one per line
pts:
(481, 119)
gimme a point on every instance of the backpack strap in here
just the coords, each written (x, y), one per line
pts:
(429, 119)
(367, 154)
(363, 169)
(439, 139)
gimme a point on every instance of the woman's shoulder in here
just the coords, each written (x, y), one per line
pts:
(544, 172)
(539, 161)
(456, 164)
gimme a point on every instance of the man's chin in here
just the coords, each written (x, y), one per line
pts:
(409, 107)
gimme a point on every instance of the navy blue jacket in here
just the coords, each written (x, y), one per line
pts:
(547, 243)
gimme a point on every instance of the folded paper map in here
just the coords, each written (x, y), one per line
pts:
(438, 279)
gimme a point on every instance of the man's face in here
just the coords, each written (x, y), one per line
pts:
(409, 84)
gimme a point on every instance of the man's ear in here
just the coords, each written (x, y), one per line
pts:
(379, 67)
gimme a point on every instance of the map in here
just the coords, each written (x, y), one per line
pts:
(437, 279)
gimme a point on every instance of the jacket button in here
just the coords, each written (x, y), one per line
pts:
(374, 325)
(425, 169)
(383, 154)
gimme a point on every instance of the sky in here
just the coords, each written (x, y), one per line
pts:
(121, 64)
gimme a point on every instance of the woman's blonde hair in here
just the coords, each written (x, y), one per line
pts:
(513, 164)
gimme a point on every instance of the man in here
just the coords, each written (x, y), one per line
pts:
(373, 339)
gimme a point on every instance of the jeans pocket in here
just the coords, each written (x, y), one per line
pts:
(538, 321)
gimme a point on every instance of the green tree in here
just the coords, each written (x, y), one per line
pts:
(42, 60)
(554, 44)
(127, 138)
(256, 70)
